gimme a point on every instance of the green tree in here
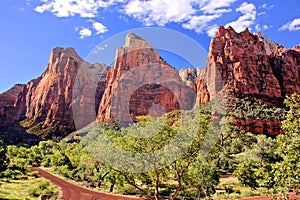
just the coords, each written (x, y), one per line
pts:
(203, 175)
(4, 160)
(149, 137)
(286, 172)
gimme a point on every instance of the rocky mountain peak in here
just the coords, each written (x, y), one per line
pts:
(135, 84)
(60, 59)
(59, 53)
(297, 48)
(240, 65)
(270, 45)
(134, 42)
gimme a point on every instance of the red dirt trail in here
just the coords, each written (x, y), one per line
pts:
(71, 191)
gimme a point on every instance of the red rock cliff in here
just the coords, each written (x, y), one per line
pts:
(141, 83)
(48, 100)
(238, 66)
(11, 108)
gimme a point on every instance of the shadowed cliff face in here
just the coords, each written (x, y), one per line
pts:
(11, 109)
(247, 70)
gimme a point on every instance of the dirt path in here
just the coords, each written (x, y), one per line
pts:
(291, 196)
(71, 191)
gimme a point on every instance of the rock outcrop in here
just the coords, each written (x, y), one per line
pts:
(141, 83)
(286, 68)
(11, 108)
(270, 45)
(72, 93)
(46, 102)
(189, 77)
(238, 66)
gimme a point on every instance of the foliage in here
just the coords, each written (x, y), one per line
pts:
(4, 160)
(245, 108)
(203, 175)
(149, 137)
(42, 186)
(259, 162)
(286, 172)
(28, 187)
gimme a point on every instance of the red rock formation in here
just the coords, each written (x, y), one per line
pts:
(238, 61)
(9, 105)
(141, 82)
(48, 100)
(238, 66)
(189, 77)
(260, 126)
(286, 68)
(270, 45)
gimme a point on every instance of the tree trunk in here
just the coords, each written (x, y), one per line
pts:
(111, 189)
(156, 185)
(177, 189)
(137, 187)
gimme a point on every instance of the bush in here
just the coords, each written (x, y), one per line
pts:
(43, 187)
(127, 190)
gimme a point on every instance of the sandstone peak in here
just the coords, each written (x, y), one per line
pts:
(60, 52)
(270, 45)
(297, 48)
(139, 81)
(134, 42)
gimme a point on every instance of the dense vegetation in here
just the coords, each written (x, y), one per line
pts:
(265, 164)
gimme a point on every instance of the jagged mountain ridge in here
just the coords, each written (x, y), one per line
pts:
(46, 102)
(244, 63)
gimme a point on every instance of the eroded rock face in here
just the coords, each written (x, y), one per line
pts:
(11, 108)
(239, 60)
(286, 68)
(140, 83)
(48, 100)
(270, 45)
(260, 126)
(238, 66)
(189, 76)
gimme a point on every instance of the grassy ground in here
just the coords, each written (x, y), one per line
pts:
(26, 188)
(230, 188)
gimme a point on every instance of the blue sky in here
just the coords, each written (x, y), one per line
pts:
(30, 29)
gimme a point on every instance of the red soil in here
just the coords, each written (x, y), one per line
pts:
(71, 191)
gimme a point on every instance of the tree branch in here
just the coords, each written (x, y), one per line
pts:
(137, 187)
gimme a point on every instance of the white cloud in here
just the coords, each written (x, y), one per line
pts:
(200, 23)
(266, 6)
(191, 14)
(259, 27)
(212, 30)
(197, 15)
(293, 25)
(248, 17)
(217, 6)
(99, 27)
(67, 8)
(160, 12)
(84, 33)
(261, 13)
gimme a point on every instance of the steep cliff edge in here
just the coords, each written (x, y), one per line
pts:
(239, 66)
(46, 102)
(142, 83)
(72, 93)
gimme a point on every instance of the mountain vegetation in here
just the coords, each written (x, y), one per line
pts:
(263, 163)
